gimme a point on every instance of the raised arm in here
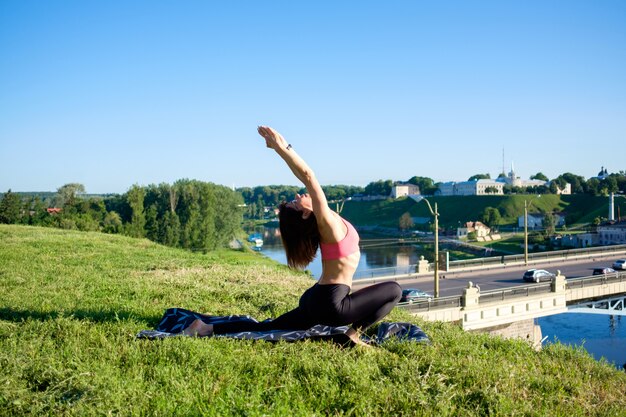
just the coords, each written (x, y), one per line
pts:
(325, 216)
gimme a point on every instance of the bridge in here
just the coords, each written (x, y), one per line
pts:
(425, 267)
(512, 312)
(614, 306)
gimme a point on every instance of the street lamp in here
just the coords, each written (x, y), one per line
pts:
(435, 214)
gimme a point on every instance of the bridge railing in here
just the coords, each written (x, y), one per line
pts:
(515, 292)
(434, 304)
(386, 272)
(584, 282)
(403, 271)
(539, 256)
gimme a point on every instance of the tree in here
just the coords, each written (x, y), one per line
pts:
(549, 224)
(260, 207)
(10, 208)
(379, 187)
(592, 186)
(334, 193)
(168, 221)
(169, 229)
(554, 188)
(406, 221)
(66, 194)
(491, 217)
(135, 197)
(426, 185)
(196, 210)
(37, 214)
(228, 215)
(479, 177)
(491, 190)
(608, 185)
(577, 182)
(152, 224)
(251, 211)
(112, 223)
(539, 176)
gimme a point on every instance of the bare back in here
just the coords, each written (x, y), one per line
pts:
(339, 269)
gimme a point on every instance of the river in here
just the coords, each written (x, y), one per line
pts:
(603, 336)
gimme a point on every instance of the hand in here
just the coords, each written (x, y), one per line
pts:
(273, 139)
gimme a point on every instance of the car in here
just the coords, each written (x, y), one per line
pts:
(602, 271)
(619, 264)
(411, 295)
(537, 275)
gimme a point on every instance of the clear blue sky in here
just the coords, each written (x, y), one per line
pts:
(115, 93)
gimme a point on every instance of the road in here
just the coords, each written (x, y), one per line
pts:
(453, 284)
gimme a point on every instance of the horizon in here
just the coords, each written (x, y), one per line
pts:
(261, 185)
(114, 94)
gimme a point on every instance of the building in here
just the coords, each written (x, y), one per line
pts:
(612, 234)
(581, 240)
(446, 188)
(493, 187)
(404, 190)
(477, 227)
(535, 220)
(606, 234)
(603, 174)
(567, 190)
(514, 181)
(475, 187)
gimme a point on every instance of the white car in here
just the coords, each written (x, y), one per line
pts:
(537, 275)
(619, 264)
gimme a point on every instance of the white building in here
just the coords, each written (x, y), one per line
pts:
(404, 190)
(493, 187)
(477, 227)
(513, 180)
(567, 190)
(476, 187)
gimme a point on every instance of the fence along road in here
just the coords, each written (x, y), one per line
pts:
(492, 263)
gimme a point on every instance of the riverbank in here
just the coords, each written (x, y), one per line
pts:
(71, 304)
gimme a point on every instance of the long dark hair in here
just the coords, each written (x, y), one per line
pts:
(300, 237)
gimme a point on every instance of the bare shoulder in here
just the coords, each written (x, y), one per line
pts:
(331, 226)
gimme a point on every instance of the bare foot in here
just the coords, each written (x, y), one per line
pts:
(198, 329)
(354, 336)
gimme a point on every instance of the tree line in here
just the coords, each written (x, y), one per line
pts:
(188, 214)
(261, 198)
(194, 214)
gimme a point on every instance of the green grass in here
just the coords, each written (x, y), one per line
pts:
(71, 304)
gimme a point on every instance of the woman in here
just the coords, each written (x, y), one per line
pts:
(307, 223)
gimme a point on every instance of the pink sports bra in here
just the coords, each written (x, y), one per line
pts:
(347, 246)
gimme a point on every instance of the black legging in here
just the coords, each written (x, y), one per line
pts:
(330, 305)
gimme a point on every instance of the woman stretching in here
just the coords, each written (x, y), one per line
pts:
(307, 223)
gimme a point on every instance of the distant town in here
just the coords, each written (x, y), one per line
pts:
(202, 216)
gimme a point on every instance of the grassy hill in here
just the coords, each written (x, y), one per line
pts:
(579, 209)
(71, 304)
